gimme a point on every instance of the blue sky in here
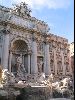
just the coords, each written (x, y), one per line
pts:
(59, 14)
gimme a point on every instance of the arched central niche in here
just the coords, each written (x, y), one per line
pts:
(19, 47)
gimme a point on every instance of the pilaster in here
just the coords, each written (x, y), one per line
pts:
(55, 62)
(63, 65)
(47, 68)
(34, 69)
(5, 49)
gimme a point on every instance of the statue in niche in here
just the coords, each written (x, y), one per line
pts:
(40, 46)
(40, 66)
(21, 69)
(59, 67)
(19, 59)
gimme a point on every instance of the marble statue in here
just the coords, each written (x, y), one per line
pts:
(21, 69)
(40, 65)
(22, 9)
(19, 59)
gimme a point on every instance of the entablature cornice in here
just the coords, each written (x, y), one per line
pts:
(5, 31)
(30, 24)
(25, 29)
(46, 39)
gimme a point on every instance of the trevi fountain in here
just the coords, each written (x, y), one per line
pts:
(34, 64)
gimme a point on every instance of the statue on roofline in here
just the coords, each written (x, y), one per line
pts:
(22, 9)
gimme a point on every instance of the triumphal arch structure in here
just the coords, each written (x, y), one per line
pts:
(26, 39)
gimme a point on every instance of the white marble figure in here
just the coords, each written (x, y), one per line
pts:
(41, 78)
(40, 63)
(21, 69)
(19, 59)
(23, 8)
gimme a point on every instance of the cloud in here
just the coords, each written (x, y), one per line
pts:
(55, 4)
(50, 4)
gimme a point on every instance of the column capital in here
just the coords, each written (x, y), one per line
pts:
(34, 37)
(5, 31)
(46, 39)
(29, 52)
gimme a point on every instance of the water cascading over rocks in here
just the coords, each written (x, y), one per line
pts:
(43, 89)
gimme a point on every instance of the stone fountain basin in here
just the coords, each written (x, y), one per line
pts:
(60, 99)
(33, 92)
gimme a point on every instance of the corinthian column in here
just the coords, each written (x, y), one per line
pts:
(28, 63)
(5, 51)
(47, 69)
(34, 69)
(70, 65)
(10, 58)
(55, 62)
(63, 65)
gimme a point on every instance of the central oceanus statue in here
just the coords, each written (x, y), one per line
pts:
(21, 72)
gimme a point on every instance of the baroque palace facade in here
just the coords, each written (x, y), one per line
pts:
(28, 37)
